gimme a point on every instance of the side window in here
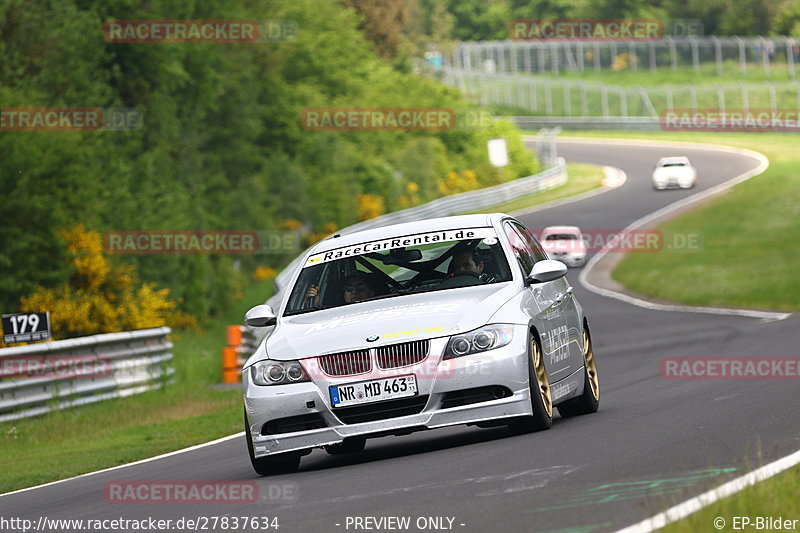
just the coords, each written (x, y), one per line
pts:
(538, 253)
(519, 246)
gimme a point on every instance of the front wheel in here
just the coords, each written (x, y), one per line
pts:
(270, 465)
(589, 401)
(541, 400)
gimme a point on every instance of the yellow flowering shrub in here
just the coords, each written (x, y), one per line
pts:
(622, 61)
(264, 272)
(455, 183)
(101, 297)
(370, 206)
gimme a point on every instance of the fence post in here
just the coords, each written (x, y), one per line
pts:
(652, 47)
(585, 102)
(554, 59)
(623, 102)
(742, 55)
(673, 53)
(773, 104)
(526, 57)
(597, 57)
(718, 55)
(745, 97)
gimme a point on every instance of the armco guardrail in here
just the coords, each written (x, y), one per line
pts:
(38, 378)
(589, 123)
(449, 205)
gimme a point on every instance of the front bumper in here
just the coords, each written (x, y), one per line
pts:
(439, 382)
(673, 183)
(569, 259)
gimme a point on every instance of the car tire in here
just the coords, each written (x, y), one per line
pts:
(348, 445)
(589, 401)
(282, 463)
(541, 399)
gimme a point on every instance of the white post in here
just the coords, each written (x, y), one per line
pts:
(673, 54)
(742, 55)
(585, 100)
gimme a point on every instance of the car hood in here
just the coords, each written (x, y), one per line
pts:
(391, 320)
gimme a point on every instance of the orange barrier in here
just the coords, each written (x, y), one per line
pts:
(241, 344)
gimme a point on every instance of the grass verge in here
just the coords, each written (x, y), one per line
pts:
(775, 497)
(582, 178)
(83, 439)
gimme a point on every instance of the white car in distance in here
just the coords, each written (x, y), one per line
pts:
(674, 173)
(565, 244)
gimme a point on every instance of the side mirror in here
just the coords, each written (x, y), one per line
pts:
(547, 270)
(260, 316)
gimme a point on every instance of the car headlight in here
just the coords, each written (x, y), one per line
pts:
(270, 372)
(479, 340)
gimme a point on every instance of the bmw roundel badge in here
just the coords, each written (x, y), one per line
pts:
(373, 338)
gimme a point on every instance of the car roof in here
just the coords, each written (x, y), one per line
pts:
(677, 159)
(410, 228)
(561, 229)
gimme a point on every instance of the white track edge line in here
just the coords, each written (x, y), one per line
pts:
(763, 165)
(126, 465)
(684, 509)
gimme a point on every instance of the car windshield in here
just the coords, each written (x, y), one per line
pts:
(673, 165)
(561, 237)
(399, 266)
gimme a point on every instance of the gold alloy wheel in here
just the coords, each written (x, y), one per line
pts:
(541, 378)
(591, 367)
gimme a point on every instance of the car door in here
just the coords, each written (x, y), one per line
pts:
(569, 306)
(545, 304)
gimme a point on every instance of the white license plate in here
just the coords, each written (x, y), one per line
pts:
(373, 390)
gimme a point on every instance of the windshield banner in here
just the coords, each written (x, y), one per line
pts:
(400, 242)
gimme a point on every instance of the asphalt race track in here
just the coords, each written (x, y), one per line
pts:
(653, 443)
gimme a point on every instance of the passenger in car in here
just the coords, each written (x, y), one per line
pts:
(357, 287)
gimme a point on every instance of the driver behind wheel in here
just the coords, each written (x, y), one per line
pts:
(465, 269)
